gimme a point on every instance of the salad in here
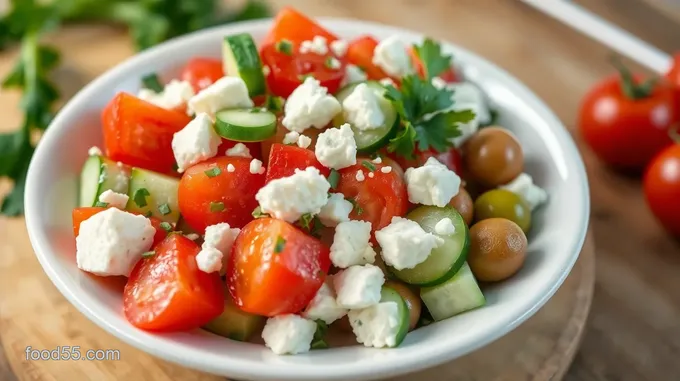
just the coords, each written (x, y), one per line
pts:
(303, 185)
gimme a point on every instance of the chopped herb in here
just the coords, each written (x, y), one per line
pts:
(148, 254)
(306, 221)
(334, 178)
(280, 245)
(140, 197)
(359, 323)
(254, 110)
(148, 214)
(166, 226)
(164, 209)
(175, 167)
(216, 207)
(100, 204)
(212, 172)
(274, 103)
(152, 82)
(319, 341)
(284, 46)
(311, 224)
(368, 165)
(355, 205)
(332, 63)
(257, 213)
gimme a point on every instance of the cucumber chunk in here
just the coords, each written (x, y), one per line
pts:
(245, 125)
(153, 194)
(240, 58)
(444, 261)
(233, 323)
(370, 141)
(100, 174)
(459, 294)
(388, 294)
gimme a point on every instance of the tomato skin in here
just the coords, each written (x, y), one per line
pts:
(627, 133)
(167, 292)
(264, 282)
(294, 26)
(382, 197)
(236, 190)
(286, 71)
(254, 148)
(452, 159)
(673, 74)
(662, 188)
(139, 133)
(285, 159)
(202, 72)
(360, 53)
(81, 214)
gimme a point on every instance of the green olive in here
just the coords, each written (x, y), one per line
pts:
(501, 203)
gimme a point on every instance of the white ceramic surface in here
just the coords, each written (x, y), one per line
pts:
(555, 241)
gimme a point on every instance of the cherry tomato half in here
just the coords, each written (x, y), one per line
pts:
(662, 188)
(285, 159)
(202, 72)
(360, 53)
(292, 25)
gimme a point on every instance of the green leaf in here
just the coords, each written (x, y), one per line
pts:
(13, 203)
(139, 197)
(252, 10)
(212, 172)
(319, 340)
(333, 178)
(14, 148)
(434, 61)
(404, 143)
(280, 245)
(274, 103)
(152, 82)
(100, 204)
(355, 206)
(437, 131)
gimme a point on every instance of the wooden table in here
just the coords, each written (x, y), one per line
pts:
(633, 332)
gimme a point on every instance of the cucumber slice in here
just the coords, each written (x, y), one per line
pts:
(153, 194)
(459, 294)
(233, 323)
(245, 125)
(100, 174)
(444, 261)
(388, 294)
(371, 140)
(240, 58)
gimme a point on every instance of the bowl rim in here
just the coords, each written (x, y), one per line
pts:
(234, 366)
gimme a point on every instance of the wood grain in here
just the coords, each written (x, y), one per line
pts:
(633, 333)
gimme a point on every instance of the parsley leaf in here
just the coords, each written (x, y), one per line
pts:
(274, 103)
(319, 341)
(333, 178)
(257, 213)
(280, 245)
(212, 172)
(430, 53)
(311, 224)
(139, 197)
(405, 142)
(152, 82)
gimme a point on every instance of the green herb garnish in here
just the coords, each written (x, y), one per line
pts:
(355, 206)
(370, 166)
(212, 172)
(257, 213)
(216, 207)
(274, 103)
(166, 226)
(319, 341)
(333, 178)
(164, 209)
(148, 254)
(152, 82)
(434, 62)
(140, 197)
(280, 245)
(100, 204)
(284, 46)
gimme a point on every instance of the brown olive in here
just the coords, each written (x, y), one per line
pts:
(501, 203)
(462, 202)
(411, 298)
(498, 249)
(493, 156)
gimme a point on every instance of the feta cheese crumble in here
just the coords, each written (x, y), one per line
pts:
(304, 141)
(196, 142)
(256, 167)
(112, 241)
(377, 160)
(360, 176)
(216, 247)
(116, 200)
(386, 169)
(523, 186)
(431, 184)
(358, 286)
(310, 105)
(291, 137)
(376, 326)
(339, 47)
(324, 306)
(209, 260)
(288, 334)
(353, 74)
(231, 168)
(336, 210)
(405, 244)
(387, 82)
(175, 94)
(227, 92)
(391, 56)
(336, 147)
(238, 150)
(351, 244)
(94, 151)
(318, 45)
(445, 227)
(371, 175)
(362, 110)
(290, 197)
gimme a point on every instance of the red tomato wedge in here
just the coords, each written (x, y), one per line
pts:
(202, 72)
(448, 75)
(139, 133)
(167, 292)
(292, 25)
(224, 197)
(275, 268)
(83, 213)
(254, 148)
(379, 198)
(360, 53)
(285, 159)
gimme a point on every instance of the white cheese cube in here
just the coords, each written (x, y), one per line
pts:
(376, 326)
(209, 260)
(391, 56)
(309, 105)
(360, 176)
(227, 92)
(116, 200)
(196, 142)
(405, 244)
(336, 210)
(339, 47)
(288, 334)
(256, 167)
(362, 110)
(304, 141)
(445, 227)
(431, 184)
(290, 197)
(353, 74)
(351, 244)
(336, 148)
(238, 150)
(358, 286)
(175, 94)
(318, 45)
(218, 237)
(324, 306)
(291, 137)
(112, 241)
(523, 186)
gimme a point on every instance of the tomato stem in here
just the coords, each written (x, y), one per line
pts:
(630, 87)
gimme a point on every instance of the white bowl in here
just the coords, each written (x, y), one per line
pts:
(555, 241)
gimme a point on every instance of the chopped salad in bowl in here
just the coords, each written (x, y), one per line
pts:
(302, 185)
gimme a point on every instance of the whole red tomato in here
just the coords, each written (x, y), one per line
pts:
(662, 188)
(626, 122)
